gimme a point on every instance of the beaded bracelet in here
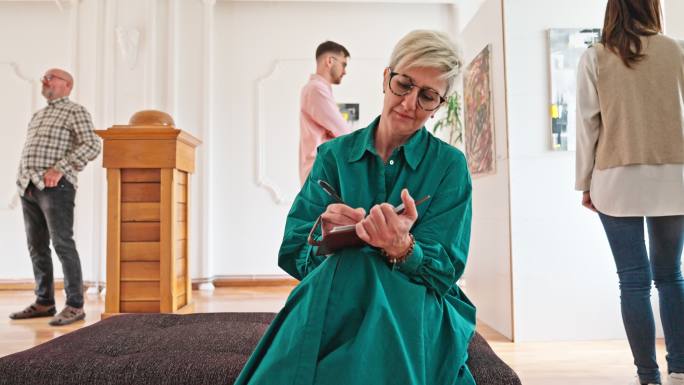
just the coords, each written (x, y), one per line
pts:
(401, 258)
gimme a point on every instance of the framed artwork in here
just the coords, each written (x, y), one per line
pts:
(479, 115)
(566, 46)
(349, 111)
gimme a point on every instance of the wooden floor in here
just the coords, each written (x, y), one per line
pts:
(539, 363)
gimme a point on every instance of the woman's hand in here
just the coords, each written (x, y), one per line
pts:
(586, 201)
(384, 229)
(338, 214)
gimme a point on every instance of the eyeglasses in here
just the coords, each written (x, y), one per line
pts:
(402, 85)
(48, 78)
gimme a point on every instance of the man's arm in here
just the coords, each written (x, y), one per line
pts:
(87, 147)
(324, 111)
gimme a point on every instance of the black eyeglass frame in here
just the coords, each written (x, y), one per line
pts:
(392, 74)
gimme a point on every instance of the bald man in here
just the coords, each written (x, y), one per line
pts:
(59, 143)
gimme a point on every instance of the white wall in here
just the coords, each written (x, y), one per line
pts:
(488, 273)
(37, 36)
(564, 280)
(466, 11)
(563, 275)
(228, 72)
(260, 79)
(674, 18)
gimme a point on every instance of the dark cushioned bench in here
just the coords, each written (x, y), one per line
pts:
(207, 348)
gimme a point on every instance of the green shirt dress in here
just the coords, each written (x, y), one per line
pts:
(355, 318)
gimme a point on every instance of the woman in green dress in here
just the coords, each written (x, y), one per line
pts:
(388, 312)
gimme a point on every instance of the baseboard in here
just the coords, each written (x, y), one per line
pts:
(11, 284)
(246, 281)
(26, 284)
(219, 281)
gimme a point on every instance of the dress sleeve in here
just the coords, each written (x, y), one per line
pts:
(442, 235)
(296, 256)
(588, 119)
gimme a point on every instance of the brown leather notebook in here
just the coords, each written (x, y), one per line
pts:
(341, 237)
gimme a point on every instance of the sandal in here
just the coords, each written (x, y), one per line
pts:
(67, 316)
(34, 310)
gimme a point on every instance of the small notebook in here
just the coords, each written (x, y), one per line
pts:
(341, 237)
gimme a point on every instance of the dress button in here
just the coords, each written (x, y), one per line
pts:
(391, 162)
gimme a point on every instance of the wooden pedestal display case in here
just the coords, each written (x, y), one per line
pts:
(148, 163)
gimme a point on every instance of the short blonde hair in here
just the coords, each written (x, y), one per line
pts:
(428, 48)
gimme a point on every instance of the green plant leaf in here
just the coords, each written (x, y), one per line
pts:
(451, 120)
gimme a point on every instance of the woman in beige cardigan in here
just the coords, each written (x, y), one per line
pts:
(630, 167)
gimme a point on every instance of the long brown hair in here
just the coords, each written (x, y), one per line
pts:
(624, 24)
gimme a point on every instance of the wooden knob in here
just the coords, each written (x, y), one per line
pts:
(151, 118)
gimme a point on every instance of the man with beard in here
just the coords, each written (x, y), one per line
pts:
(59, 143)
(320, 120)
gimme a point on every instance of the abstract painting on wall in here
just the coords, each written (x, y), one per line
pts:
(479, 115)
(566, 46)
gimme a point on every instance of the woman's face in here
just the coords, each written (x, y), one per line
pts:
(402, 114)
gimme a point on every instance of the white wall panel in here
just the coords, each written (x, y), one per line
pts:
(30, 46)
(488, 273)
(202, 61)
(250, 38)
(674, 18)
(17, 104)
(274, 166)
(565, 286)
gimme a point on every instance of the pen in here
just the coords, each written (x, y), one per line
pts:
(330, 191)
(400, 209)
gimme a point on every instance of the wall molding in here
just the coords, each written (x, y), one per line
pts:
(172, 62)
(149, 44)
(13, 196)
(421, 2)
(205, 175)
(33, 83)
(74, 52)
(104, 115)
(262, 179)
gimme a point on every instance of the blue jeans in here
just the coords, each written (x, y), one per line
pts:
(49, 215)
(636, 268)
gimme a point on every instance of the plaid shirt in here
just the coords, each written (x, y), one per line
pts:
(60, 136)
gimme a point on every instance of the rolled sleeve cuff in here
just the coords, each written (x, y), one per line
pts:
(63, 166)
(583, 184)
(308, 261)
(413, 262)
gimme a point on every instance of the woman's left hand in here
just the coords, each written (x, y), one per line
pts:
(586, 201)
(385, 229)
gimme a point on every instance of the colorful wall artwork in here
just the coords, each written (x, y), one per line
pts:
(479, 115)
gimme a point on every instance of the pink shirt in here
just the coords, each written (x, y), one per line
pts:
(319, 121)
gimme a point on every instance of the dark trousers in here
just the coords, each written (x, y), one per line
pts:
(49, 215)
